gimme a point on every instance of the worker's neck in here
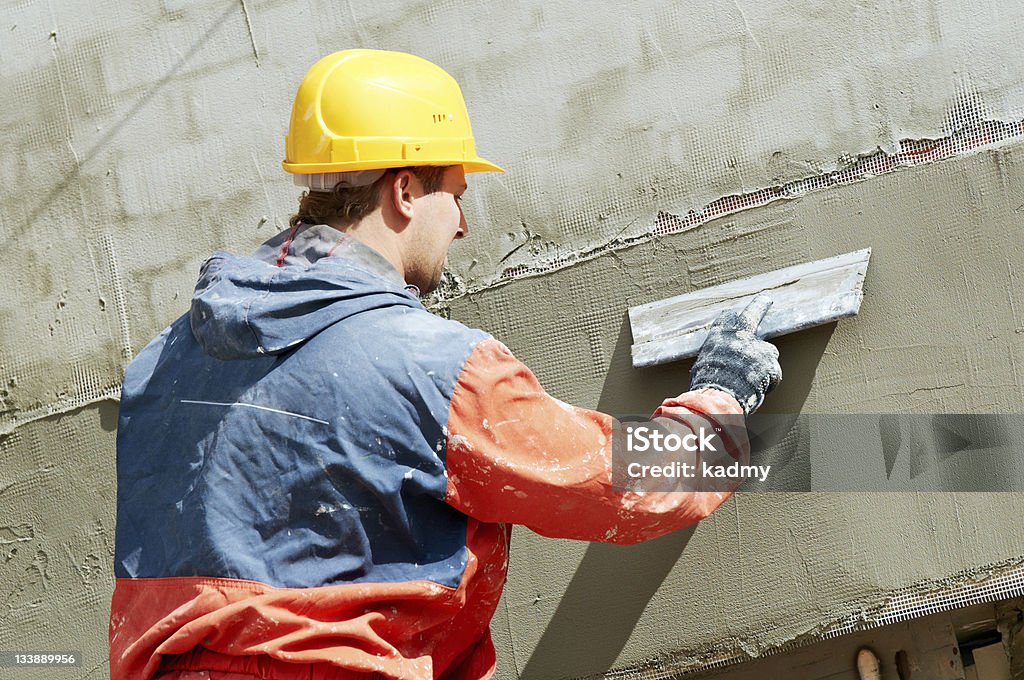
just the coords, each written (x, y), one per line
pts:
(373, 232)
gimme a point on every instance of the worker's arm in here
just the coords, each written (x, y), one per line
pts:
(517, 455)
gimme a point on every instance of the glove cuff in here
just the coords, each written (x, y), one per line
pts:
(748, 402)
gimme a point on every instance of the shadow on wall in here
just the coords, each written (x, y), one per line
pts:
(597, 615)
(108, 414)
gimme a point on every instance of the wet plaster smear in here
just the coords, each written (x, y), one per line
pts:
(140, 137)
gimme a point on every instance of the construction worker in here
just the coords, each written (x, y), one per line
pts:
(316, 475)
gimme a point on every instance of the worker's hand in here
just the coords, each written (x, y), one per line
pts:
(734, 360)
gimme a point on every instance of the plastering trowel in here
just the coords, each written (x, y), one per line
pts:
(803, 296)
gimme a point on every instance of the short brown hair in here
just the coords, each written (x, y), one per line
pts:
(344, 206)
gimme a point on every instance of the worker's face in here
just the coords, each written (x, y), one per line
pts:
(437, 221)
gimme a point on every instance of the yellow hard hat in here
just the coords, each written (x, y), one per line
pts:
(368, 109)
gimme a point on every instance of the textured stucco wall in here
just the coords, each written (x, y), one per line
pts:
(140, 137)
(937, 334)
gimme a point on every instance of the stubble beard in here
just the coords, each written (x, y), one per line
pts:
(426, 280)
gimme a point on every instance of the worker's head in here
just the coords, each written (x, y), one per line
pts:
(413, 213)
(432, 221)
(370, 129)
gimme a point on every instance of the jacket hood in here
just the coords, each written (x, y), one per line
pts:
(244, 307)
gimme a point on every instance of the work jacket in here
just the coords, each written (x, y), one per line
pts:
(316, 476)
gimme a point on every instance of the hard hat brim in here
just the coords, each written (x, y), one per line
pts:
(475, 165)
(480, 165)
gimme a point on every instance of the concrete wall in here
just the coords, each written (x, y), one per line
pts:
(936, 334)
(140, 137)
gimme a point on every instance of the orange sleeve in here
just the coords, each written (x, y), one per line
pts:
(517, 455)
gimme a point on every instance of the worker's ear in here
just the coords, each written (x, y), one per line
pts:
(402, 191)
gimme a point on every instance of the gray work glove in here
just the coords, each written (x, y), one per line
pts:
(734, 360)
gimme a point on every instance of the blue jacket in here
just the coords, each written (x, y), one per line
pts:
(315, 475)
